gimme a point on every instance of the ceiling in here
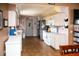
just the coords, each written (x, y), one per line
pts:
(38, 9)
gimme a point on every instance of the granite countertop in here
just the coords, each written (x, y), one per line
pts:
(4, 34)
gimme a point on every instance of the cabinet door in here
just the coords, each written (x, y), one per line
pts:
(59, 19)
(64, 40)
(12, 51)
(12, 18)
(44, 35)
(57, 42)
(52, 41)
(49, 38)
(50, 22)
(46, 39)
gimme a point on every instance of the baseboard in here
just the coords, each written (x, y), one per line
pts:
(54, 48)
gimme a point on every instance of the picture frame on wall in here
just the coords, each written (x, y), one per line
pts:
(5, 22)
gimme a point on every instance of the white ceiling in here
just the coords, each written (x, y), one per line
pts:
(40, 9)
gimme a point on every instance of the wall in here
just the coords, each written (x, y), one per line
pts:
(23, 23)
(35, 26)
(4, 8)
(12, 7)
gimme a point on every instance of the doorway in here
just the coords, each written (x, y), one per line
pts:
(29, 28)
(32, 26)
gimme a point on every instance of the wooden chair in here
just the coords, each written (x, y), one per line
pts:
(69, 50)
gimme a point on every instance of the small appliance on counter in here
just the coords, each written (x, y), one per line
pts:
(47, 28)
(12, 31)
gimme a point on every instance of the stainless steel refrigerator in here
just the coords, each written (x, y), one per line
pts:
(41, 28)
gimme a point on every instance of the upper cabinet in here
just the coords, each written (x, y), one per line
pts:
(13, 15)
(12, 18)
(59, 19)
(50, 22)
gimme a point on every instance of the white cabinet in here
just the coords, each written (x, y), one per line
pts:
(59, 39)
(14, 45)
(52, 42)
(13, 49)
(50, 22)
(59, 19)
(12, 18)
(55, 40)
(47, 37)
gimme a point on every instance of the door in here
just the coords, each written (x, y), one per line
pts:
(35, 27)
(29, 28)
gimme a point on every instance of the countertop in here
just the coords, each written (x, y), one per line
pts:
(4, 34)
(15, 39)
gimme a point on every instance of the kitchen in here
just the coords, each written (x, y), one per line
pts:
(49, 22)
(52, 29)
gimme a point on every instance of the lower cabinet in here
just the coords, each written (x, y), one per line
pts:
(47, 38)
(55, 40)
(14, 46)
(13, 50)
(58, 40)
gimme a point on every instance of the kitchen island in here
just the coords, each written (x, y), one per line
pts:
(14, 44)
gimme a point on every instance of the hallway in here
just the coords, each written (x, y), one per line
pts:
(33, 46)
